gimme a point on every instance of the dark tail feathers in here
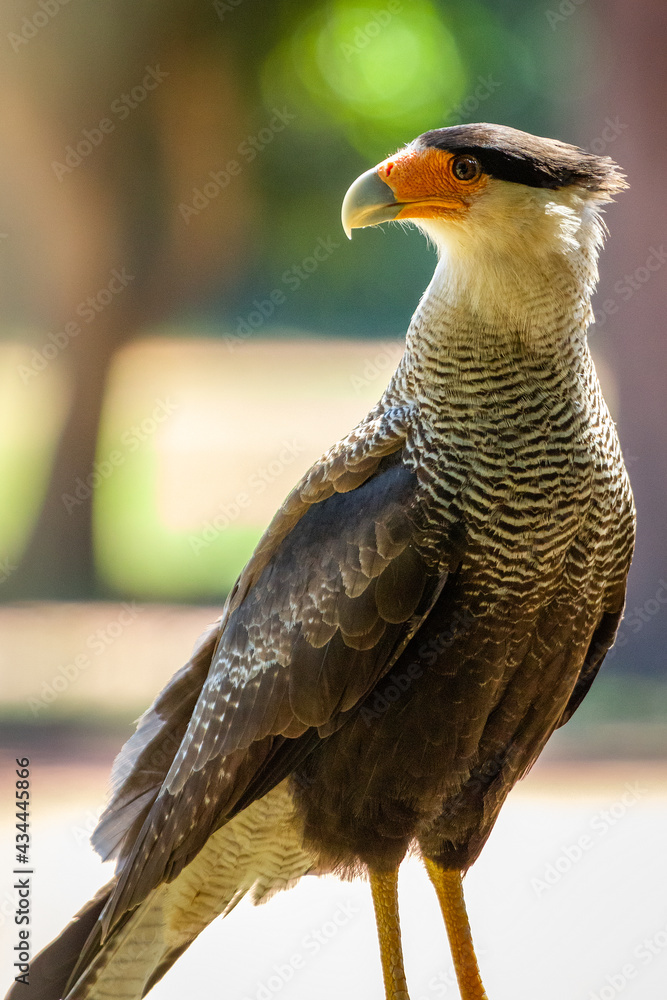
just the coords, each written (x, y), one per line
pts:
(51, 969)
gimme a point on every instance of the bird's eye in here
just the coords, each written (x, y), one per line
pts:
(466, 168)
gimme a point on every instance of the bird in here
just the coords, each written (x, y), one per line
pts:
(430, 603)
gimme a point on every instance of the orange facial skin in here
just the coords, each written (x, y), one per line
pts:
(423, 181)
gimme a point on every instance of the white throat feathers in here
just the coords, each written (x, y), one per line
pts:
(523, 260)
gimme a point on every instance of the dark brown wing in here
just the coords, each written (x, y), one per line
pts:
(312, 625)
(51, 968)
(146, 758)
(601, 643)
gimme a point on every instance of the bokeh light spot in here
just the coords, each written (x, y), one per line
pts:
(373, 70)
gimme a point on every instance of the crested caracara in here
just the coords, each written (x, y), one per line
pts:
(429, 604)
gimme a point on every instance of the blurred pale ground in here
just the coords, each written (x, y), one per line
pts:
(606, 912)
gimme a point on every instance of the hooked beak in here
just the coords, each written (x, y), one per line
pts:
(368, 202)
(415, 183)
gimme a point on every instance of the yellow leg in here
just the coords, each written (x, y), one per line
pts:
(450, 895)
(384, 886)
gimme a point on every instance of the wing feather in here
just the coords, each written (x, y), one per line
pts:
(333, 593)
(140, 767)
(600, 644)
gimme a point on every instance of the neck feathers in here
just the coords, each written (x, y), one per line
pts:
(523, 268)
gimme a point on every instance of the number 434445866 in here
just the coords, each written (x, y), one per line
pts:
(22, 812)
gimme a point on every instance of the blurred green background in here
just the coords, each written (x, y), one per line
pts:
(185, 326)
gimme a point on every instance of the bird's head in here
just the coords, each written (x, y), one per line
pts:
(467, 176)
(498, 202)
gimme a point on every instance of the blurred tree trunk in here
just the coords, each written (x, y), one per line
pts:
(82, 237)
(59, 559)
(114, 211)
